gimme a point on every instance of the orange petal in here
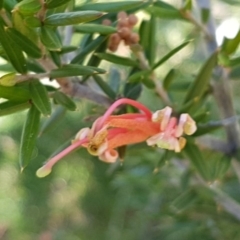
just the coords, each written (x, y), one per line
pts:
(127, 138)
(147, 127)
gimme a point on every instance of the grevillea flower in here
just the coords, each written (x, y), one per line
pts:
(110, 131)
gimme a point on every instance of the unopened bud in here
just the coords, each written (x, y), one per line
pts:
(112, 47)
(132, 20)
(124, 32)
(122, 15)
(115, 38)
(134, 38)
(113, 42)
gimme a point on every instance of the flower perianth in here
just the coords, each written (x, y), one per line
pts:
(109, 132)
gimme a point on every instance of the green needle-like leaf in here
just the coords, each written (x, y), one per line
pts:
(13, 52)
(50, 39)
(104, 86)
(40, 97)
(55, 3)
(71, 18)
(16, 94)
(95, 28)
(29, 136)
(71, 70)
(117, 59)
(170, 54)
(198, 87)
(195, 155)
(64, 100)
(110, 6)
(88, 49)
(24, 43)
(10, 107)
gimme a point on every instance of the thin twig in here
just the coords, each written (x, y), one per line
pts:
(143, 63)
(221, 85)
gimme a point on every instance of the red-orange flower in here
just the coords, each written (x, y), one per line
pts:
(109, 132)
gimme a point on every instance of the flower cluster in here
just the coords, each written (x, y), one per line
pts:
(110, 131)
(125, 25)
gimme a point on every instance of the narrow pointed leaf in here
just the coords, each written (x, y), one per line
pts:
(165, 13)
(24, 43)
(114, 79)
(67, 49)
(117, 59)
(169, 78)
(152, 40)
(195, 155)
(10, 107)
(28, 7)
(9, 4)
(40, 97)
(88, 49)
(187, 5)
(1, 4)
(75, 70)
(229, 46)
(110, 6)
(170, 54)
(56, 58)
(55, 3)
(198, 87)
(184, 200)
(71, 18)
(205, 13)
(20, 25)
(139, 76)
(29, 136)
(13, 52)
(95, 28)
(144, 33)
(50, 39)
(234, 62)
(16, 94)
(104, 86)
(64, 100)
(132, 90)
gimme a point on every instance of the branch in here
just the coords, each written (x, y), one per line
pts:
(221, 85)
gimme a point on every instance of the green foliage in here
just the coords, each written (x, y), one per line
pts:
(58, 75)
